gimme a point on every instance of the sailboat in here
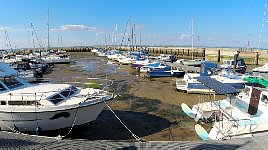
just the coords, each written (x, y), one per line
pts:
(192, 62)
(52, 57)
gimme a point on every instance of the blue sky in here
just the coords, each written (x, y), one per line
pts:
(217, 23)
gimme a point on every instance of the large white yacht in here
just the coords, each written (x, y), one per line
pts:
(44, 107)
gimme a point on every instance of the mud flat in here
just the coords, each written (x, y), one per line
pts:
(149, 107)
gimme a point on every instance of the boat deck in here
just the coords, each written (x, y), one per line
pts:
(21, 141)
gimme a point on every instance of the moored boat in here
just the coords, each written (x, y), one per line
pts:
(167, 71)
(45, 107)
(239, 115)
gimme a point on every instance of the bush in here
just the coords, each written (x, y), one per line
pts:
(93, 85)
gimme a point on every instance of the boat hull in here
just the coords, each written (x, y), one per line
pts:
(166, 74)
(58, 61)
(50, 121)
(202, 86)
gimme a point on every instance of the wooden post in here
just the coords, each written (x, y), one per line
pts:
(188, 52)
(219, 55)
(257, 59)
(166, 51)
(182, 52)
(204, 54)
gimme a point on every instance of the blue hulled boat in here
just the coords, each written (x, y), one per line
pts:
(167, 71)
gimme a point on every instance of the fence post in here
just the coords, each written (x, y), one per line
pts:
(204, 54)
(257, 59)
(219, 55)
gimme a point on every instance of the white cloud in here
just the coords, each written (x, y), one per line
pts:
(185, 36)
(2, 28)
(151, 36)
(75, 28)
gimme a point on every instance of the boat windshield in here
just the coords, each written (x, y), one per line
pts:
(228, 62)
(63, 95)
(10, 82)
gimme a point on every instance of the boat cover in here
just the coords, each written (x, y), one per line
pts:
(256, 81)
(217, 86)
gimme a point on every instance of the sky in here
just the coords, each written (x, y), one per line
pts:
(215, 23)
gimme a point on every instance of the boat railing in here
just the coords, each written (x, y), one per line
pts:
(21, 99)
(234, 123)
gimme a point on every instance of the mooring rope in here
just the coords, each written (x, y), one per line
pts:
(134, 135)
(62, 137)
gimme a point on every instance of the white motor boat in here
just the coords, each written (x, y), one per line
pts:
(150, 66)
(237, 116)
(45, 107)
(261, 72)
(57, 58)
(113, 54)
(262, 69)
(193, 62)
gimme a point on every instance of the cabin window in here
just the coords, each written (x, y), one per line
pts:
(3, 103)
(21, 103)
(11, 82)
(56, 99)
(264, 99)
(68, 92)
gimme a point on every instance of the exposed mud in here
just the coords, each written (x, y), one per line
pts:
(149, 107)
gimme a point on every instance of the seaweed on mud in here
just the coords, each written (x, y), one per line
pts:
(120, 86)
(172, 112)
(144, 104)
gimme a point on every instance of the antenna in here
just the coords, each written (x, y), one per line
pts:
(47, 29)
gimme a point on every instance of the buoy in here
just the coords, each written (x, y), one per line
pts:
(38, 130)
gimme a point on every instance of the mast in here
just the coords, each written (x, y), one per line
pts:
(140, 37)
(192, 37)
(132, 36)
(48, 30)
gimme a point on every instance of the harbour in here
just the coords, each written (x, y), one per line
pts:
(133, 75)
(154, 117)
(141, 99)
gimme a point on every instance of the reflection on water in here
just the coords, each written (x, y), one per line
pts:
(98, 66)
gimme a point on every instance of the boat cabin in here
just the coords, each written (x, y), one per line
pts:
(206, 68)
(256, 97)
(12, 90)
(241, 66)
